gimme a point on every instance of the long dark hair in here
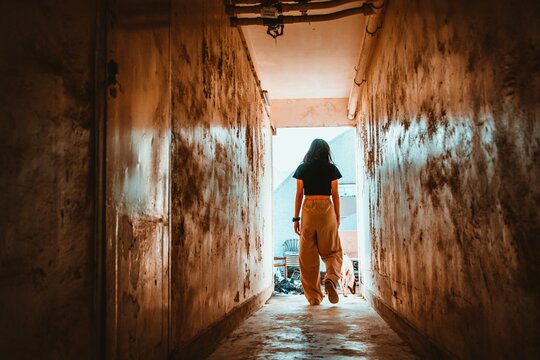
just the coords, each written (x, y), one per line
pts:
(319, 150)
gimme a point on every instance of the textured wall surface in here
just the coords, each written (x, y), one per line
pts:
(46, 236)
(137, 181)
(449, 134)
(185, 122)
(221, 172)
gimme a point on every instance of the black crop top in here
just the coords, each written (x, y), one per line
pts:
(317, 176)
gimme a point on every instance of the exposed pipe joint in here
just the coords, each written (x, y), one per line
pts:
(285, 7)
(246, 2)
(365, 9)
(372, 28)
(257, 2)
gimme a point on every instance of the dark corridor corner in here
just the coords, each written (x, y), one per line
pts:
(110, 249)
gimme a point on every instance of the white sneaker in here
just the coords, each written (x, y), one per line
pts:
(331, 291)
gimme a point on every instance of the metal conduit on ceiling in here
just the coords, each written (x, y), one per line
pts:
(278, 8)
(288, 7)
(364, 9)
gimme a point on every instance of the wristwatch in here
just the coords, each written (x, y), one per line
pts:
(295, 219)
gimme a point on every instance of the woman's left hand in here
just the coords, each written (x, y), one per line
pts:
(297, 227)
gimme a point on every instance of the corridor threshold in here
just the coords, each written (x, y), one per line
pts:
(286, 327)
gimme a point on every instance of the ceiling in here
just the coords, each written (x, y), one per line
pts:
(311, 60)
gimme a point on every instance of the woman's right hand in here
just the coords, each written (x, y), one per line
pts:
(297, 227)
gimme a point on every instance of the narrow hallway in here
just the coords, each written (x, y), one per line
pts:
(287, 328)
(136, 184)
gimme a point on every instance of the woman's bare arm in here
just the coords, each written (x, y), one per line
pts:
(335, 199)
(298, 203)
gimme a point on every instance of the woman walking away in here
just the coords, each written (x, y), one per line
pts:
(317, 181)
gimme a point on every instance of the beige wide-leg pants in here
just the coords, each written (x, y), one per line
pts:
(319, 236)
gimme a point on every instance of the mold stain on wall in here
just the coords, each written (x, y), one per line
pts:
(220, 145)
(137, 187)
(187, 142)
(450, 136)
(46, 232)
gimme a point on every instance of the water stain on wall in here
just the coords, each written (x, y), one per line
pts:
(46, 229)
(451, 134)
(219, 142)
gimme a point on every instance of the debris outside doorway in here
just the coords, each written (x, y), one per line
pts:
(292, 285)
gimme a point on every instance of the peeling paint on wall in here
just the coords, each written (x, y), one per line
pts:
(450, 136)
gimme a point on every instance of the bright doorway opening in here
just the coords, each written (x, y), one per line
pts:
(289, 147)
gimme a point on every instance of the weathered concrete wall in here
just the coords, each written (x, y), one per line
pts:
(449, 134)
(46, 191)
(221, 173)
(203, 143)
(137, 181)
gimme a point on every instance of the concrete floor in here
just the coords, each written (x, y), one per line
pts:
(288, 328)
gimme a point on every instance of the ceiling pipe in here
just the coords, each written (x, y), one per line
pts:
(373, 25)
(256, 9)
(246, 2)
(257, 2)
(366, 9)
